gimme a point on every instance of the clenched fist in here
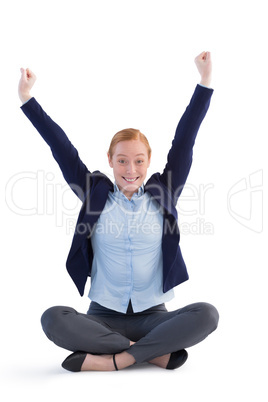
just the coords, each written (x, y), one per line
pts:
(26, 83)
(204, 66)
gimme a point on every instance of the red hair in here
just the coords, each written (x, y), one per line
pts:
(127, 135)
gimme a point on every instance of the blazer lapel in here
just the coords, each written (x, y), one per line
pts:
(91, 209)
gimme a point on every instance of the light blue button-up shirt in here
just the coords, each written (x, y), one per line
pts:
(127, 245)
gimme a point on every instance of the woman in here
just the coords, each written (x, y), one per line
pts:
(127, 240)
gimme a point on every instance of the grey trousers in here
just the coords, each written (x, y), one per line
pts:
(156, 331)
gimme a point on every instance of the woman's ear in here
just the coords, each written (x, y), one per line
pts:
(110, 160)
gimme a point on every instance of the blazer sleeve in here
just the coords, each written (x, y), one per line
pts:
(73, 169)
(179, 158)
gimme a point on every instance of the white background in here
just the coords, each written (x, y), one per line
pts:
(103, 66)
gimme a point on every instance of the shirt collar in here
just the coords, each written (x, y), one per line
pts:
(138, 194)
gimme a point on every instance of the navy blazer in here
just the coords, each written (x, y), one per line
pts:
(93, 187)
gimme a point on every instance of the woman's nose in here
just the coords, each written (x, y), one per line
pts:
(131, 168)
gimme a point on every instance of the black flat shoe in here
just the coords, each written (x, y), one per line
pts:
(74, 361)
(177, 359)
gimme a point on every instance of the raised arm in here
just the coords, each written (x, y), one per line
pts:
(73, 169)
(180, 155)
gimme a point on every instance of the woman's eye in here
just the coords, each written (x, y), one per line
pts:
(139, 162)
(122, 161)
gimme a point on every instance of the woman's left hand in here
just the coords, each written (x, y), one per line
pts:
(204, 65)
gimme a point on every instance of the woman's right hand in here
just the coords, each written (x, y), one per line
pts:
(26, 83)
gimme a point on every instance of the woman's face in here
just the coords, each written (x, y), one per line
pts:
(130, 162)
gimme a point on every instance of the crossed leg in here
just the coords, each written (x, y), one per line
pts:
(157, 335)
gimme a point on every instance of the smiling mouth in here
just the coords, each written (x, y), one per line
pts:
(130, 180)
